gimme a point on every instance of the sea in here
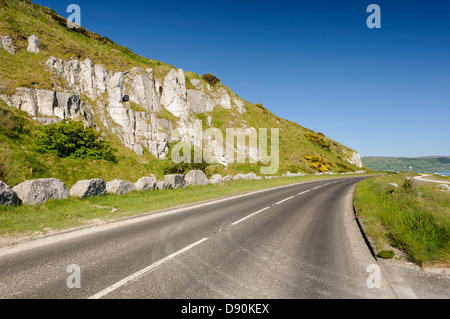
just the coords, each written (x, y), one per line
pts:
(444, 173)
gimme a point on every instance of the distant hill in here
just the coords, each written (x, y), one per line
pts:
(418, 164)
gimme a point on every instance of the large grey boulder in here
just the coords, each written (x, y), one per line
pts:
(216, 179)
(444, 186)
(119, 187)
(33, 44)
(147, 183)
(252, 176)
(241, 176)
(88, 188)
(7, 44)
(196, 177)
(228, 178)
(38, 191)
(175, 181)
(161, 185)
(8, 196)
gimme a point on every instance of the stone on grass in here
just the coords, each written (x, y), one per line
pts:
(88, 188)
(33, 44)
(228, 178)
(161, 185)
(8, 197)
(444, 186)
(241, 176)
(39, 191)
(147, 183)
(196, 177)
(175, 181)
(120, 187)
(216, 179)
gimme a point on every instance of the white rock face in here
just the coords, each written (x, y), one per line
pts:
(137, 122)
(355, 160)
(174, 96)
(7, 44)
(39, 191)
(33, 44)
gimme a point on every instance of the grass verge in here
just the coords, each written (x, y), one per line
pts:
(27, 220)
(412, 218)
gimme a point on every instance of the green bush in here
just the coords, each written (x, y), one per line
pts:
(211, 79)
(72, 139)
(386, 254)
(170, 167)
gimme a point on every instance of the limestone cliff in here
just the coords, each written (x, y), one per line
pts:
(139, 101)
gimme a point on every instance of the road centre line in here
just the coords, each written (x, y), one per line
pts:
(317, 187)
(251, 215)
(144, 271)
(284, 200)
(304, 192)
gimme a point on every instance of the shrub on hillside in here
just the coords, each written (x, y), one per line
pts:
(211, 79)
(170, 167)
(72, 139)
(318, 140)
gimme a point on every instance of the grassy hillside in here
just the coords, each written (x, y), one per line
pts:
(301, 150)
(418, 164)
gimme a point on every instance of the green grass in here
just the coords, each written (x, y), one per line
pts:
(415, 221)
(62, 214)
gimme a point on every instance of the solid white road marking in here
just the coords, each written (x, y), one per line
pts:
(143, 271)
(284, 200)
(251, 215)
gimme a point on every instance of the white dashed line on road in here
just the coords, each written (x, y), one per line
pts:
(251, 215)
(144, 271)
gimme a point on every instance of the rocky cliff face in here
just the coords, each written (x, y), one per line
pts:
(129, 104)
(143, 109)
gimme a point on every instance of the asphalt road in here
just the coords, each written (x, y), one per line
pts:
(293, 242)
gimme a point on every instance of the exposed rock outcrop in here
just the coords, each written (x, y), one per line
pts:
(355, 160)
(39, 191)
(33, 44)
(137, 122)
(7, 44)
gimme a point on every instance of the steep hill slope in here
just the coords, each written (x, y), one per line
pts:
(54, 73)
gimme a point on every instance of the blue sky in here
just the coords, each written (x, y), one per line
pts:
(383, 92)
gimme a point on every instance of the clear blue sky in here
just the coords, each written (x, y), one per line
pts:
(381, 91)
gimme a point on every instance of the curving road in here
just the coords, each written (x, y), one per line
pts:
(292, 242)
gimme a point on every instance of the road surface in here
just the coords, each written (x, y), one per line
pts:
(292, 242)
